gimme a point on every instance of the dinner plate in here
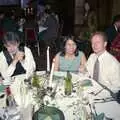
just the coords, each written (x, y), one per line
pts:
(59, 74)
(40, 72)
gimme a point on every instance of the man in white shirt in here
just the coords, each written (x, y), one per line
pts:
(107, 73)
(109, 67)
(15, 59)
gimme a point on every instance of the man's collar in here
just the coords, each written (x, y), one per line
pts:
(101, 55)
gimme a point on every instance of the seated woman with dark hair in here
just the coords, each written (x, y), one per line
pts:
(70, 58)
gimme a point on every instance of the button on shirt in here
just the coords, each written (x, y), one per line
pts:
(109, 69)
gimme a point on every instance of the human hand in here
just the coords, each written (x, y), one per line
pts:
(19, 56)
(82, 69)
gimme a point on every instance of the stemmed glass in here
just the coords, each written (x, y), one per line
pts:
(83, 101)
(83, 71)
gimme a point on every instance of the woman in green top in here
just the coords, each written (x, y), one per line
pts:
(70, 58)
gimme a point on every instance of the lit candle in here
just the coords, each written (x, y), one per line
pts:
(48, 59)
(51, 73)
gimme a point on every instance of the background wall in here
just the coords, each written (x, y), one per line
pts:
(9, 2)
(116, 7)
(71, 11)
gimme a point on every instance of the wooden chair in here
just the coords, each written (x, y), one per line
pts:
(31, 38)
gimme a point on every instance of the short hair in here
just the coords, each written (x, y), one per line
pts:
(10, 37)
(116, 18)
(70, 37)
(102, 34)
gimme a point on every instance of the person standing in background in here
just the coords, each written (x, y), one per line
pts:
(113, 30)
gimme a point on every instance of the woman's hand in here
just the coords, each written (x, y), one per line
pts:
(82, 69)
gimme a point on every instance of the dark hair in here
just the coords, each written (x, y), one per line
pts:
(103, 34)
(10, 37)
(116, 18)
(64, 43)
(48, 11)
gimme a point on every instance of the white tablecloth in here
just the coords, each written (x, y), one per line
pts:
(24, 98)
(71, 108)
(110, 109)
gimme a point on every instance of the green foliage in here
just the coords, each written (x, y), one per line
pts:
(38, 85)
(86, 35)
(35, 81)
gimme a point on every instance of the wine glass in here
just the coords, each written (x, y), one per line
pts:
(83, 72)
(83, 96)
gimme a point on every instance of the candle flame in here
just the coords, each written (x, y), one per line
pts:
(48, 48)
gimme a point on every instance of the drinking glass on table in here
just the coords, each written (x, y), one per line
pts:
(83, 71)
(83, 97)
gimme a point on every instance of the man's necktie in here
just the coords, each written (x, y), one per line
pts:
(96, 70)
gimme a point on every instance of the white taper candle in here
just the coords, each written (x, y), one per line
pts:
(48, 59)
(51, 73)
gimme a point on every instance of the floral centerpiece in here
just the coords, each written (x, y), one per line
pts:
(38, 84)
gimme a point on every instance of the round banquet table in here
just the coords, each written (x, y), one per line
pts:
(97, 98)
(69, 105)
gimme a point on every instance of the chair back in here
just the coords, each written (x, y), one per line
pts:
(30, 35)
(31, 39)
